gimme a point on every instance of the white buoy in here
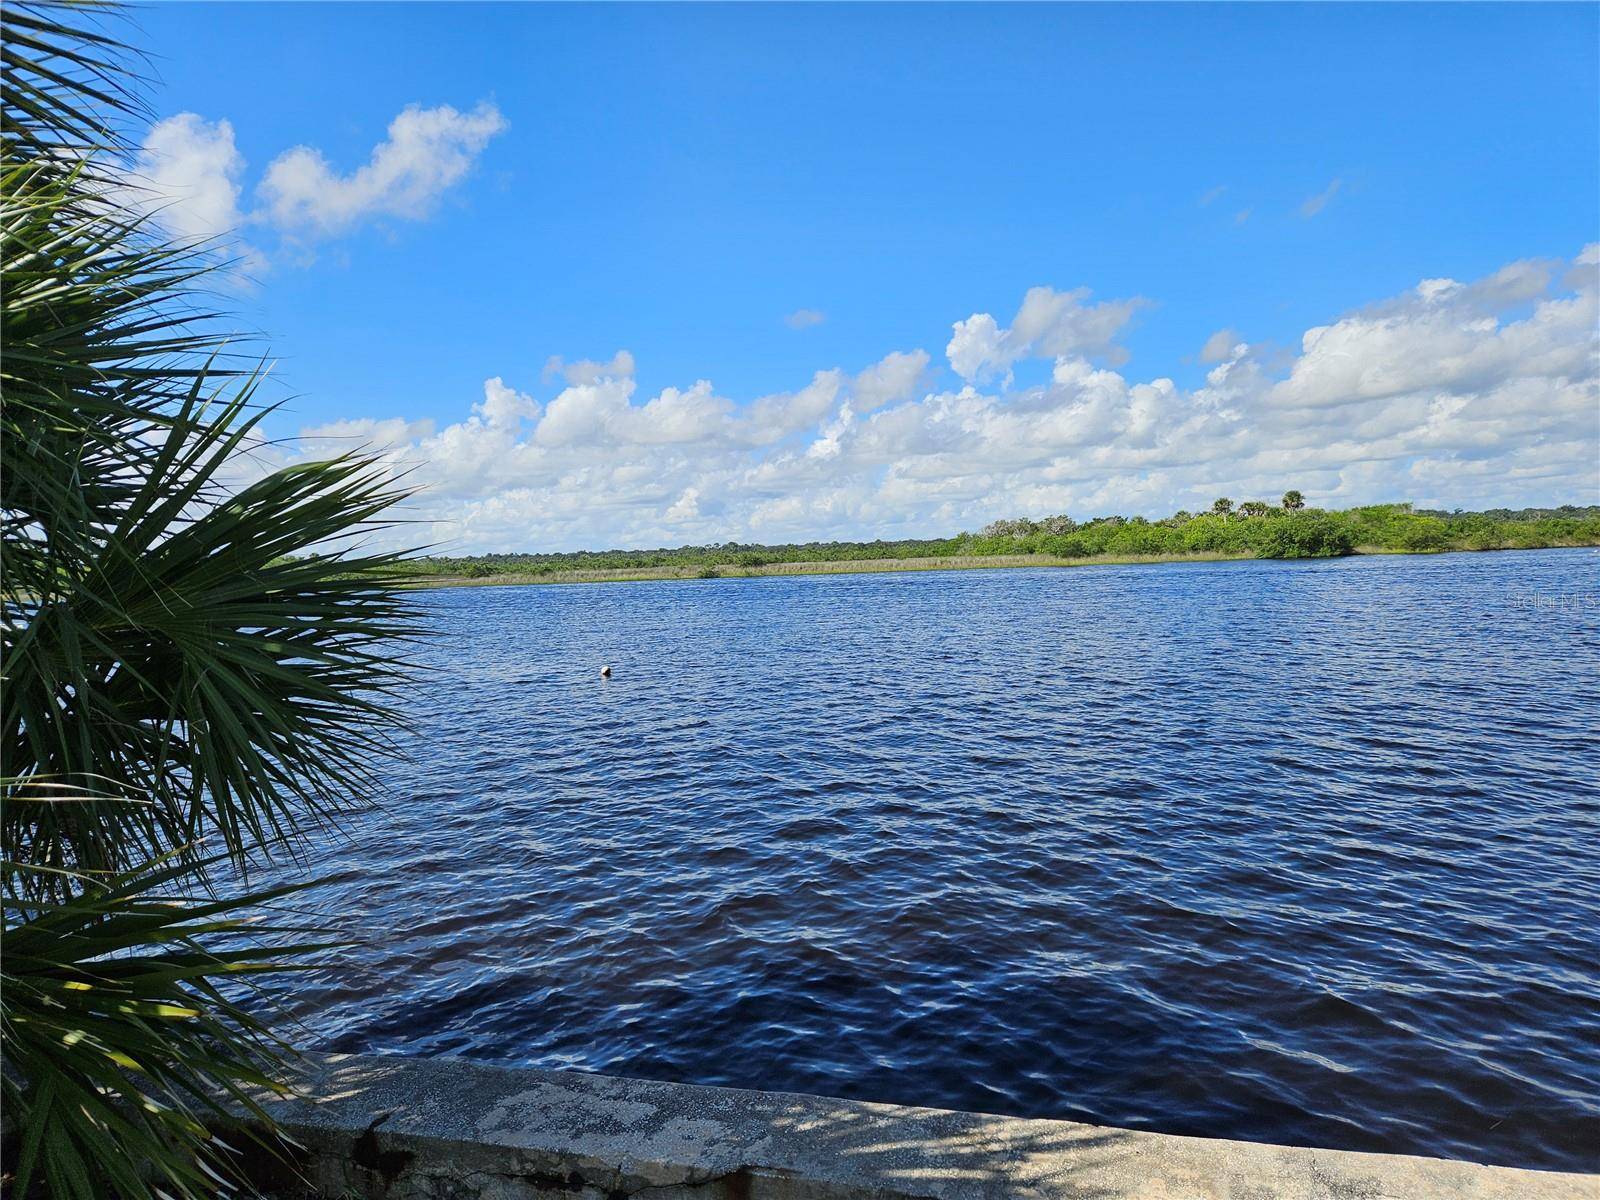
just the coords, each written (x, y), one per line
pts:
(605, 671)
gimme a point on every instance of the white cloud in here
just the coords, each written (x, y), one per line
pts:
(1212, 194)
(428, 151)
(1219, 346)
(773, 418)
(1452, 394)
(974, 345)
(587, 370)
(188, 171)
(889, 381)
(1049, 324)
(686, 507)
(502, 406)
(587, 414)
(805, 318)
(1312, 205)
(337, 437)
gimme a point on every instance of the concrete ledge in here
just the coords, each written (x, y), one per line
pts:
(446, 1129)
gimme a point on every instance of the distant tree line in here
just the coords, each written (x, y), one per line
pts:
(735, 554)
(1288, 529)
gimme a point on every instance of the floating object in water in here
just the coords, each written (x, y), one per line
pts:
(605, 671)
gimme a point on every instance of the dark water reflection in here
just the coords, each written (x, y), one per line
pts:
(1290, 852)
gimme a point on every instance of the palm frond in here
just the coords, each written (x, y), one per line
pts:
(186, 655)
(233, 667)
(102, 348)
(115, 1002)
(65, 84)
(151, 634)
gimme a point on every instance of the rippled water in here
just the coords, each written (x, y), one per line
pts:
(1296, 852)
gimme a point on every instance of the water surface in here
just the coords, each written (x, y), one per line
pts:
(1294, 852)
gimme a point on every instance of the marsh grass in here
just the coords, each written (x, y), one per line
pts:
(871, 566)
(837, 567)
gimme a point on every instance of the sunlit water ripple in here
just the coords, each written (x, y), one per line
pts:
(1294, 852)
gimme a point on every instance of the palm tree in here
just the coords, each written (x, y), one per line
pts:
(1255, 508)
(1293, 501)
(183, 659)
(1222, 506)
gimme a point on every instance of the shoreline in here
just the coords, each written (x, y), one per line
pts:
(858, 566)
(874, 566)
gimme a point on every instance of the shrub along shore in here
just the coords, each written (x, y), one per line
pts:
(1250, 530)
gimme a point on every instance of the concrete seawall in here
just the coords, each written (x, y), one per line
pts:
(446, 1129)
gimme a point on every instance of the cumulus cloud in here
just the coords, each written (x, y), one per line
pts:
(805, 318)
(427, 151)
(587, 370)
(504, 406)
(1472, 394)
(188, 171)
(891, 380)
(1312, 205)
(364, 433)
(1049, 324)
(686, 507)
(781, 415)
(1219, 346)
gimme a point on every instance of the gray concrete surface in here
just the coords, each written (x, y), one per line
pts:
(445, 1129)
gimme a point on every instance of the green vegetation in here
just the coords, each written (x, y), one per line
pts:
(692, 559)
(1255, 529)
(185, 660)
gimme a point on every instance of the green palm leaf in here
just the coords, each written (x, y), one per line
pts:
(117, 1012)
(186, 656)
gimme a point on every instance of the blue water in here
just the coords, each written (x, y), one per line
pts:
(1294, 852)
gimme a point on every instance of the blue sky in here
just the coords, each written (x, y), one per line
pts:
(676, 181)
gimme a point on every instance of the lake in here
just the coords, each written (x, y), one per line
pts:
(1292, 852)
